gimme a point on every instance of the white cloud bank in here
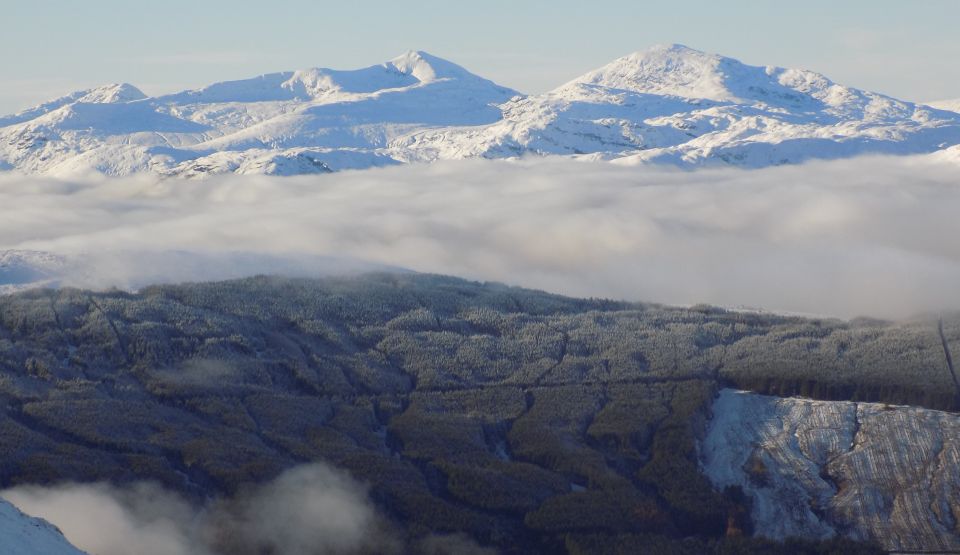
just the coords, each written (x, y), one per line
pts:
(870, 236)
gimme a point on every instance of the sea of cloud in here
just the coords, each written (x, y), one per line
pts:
(869, 236)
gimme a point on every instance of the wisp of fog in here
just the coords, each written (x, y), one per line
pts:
(868, 236)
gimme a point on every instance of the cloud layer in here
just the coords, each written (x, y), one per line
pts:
(870, 236)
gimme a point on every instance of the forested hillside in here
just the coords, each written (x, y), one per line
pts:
(528, 421)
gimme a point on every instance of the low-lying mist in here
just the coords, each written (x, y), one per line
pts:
(869, 236)
(312, 509)
(309, 510)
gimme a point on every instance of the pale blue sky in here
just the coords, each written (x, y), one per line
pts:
(50, 47)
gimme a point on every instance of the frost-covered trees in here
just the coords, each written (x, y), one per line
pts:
(517, 417)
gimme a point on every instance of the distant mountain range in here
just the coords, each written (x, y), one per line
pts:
(670, 104)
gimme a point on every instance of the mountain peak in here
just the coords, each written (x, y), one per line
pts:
(426, 67)
(112, 94)
(667, 69)
(672, 48)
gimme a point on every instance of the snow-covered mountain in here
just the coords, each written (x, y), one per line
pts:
(309, 121)
(675, 104)
(668, 104)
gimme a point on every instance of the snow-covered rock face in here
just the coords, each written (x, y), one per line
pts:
(821, 468)
(670, 104)
(24, 535)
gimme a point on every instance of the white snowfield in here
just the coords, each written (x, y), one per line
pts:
(670, 104)
(24, 535)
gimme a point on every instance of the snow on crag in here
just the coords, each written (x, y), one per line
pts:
(821, 468)
(24, 535)
(670, 104)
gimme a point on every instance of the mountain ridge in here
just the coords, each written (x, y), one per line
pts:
(669, 104)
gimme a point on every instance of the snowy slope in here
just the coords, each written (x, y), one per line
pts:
(669, 104)
(24, 535)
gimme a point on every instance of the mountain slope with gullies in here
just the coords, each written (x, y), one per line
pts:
(529, 422)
